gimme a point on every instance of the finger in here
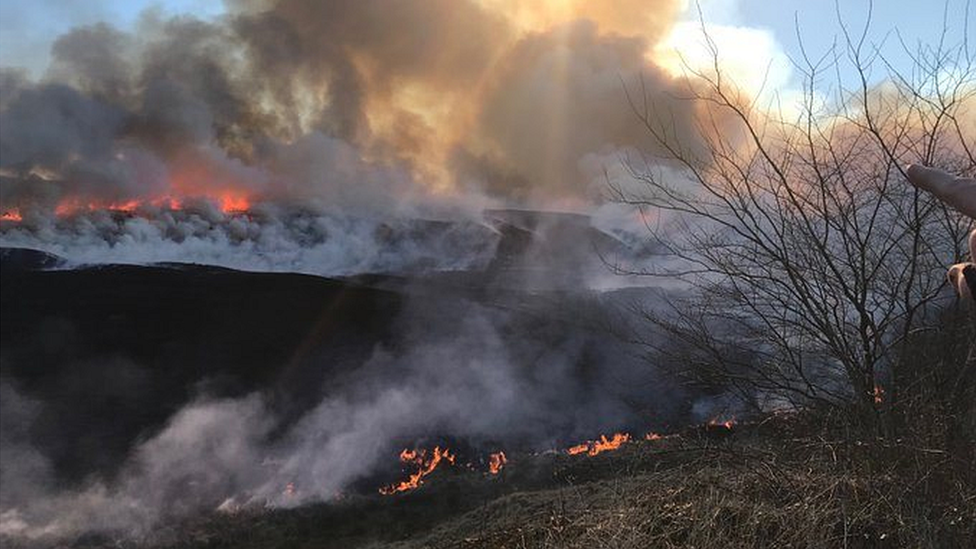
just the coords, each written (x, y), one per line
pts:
(957, 192)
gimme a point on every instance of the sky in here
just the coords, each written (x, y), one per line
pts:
(28, 27)
(763, 41)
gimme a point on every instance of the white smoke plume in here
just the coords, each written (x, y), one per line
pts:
(459, 377)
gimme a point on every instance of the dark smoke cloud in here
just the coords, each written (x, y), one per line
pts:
(382, 110)
(452, 96)
(93, 59)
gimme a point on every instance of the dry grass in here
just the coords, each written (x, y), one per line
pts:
(817, 479)
(789, 481)
(757, 492)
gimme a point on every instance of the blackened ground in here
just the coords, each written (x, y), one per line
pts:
(113, 351)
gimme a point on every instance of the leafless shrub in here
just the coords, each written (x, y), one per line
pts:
(811, 261)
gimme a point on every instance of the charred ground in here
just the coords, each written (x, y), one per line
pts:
(113, 351)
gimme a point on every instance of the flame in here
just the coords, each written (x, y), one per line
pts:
(188, 183)
(878, 394)
(496, 461)
(229, 202)
(604, 445)
(11, 215)
(68, 207)
(290, 490)
(578, 449)
(128, 206)
(652, 436)
(727, 424)
(426, 464)
(72, 206)
(594, 447)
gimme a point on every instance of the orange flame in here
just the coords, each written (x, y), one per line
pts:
(878, 394)
(11, 215)
(594, 447)
(233, 203)
(727, 424)
(496, 461)
(228, 202)
(71, 206)
(425, 464)
(126, 207)
(68, 207)
(652, 436)
(189, 181)
(578, 449)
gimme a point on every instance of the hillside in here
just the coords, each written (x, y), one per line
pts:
(788, 481)
(107, 356)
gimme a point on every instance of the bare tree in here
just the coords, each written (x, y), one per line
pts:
(809, 257)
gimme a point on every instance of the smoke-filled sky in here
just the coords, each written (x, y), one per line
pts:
(366, 108)
(369, 103)
(27, 29)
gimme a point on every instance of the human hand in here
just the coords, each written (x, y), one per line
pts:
(962, 276)
(959, 193)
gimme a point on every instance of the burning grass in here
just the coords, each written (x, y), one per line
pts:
(786, 482)
(603, 444)
(496, 462)
(425, 462)
(770, 489)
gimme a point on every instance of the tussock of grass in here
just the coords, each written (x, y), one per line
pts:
(806, 493)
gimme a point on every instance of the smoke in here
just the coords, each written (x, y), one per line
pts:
(269, 239)
(208, 448)
(339, 138)
(384, 112)
(355, 104)
(476, 373)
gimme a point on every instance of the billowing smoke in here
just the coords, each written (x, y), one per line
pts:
(350, 104)
(380, 110)
(341, 138)
(269, 238)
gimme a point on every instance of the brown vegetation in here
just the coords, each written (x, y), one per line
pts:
(786, 481)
